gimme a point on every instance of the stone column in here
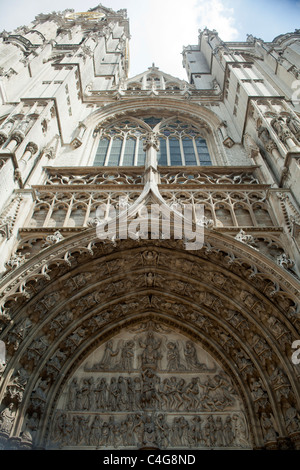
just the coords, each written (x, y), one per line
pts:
(30, 150)
(20, 132)
(269, 144)
(284, 133)
(5, 131)
(16, 138)
(294, 125)
(151, 147)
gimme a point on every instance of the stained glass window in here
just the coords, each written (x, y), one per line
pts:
(189, 151)
(101, 152)
(162, 158)
(175, 152)
(129, 153)
(180, 144)
(115, 152)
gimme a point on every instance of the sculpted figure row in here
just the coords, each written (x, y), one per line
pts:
(138, 430)
(148, 391)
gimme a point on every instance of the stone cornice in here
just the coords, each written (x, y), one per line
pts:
(169, 187)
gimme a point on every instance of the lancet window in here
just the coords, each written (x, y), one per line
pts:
(181, 143)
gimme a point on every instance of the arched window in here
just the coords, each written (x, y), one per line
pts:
(181, 143)
(175, 152)
(223, 215)
(141, 155)
(189, 151)
(202, 150)
(184, 144)
(58, 216)
(121, 145)
(129, 152)
(162, 158)
(242, 215)
(77, 215)
(39, 215)
(115, 152)
(262, 215)
(101, 152)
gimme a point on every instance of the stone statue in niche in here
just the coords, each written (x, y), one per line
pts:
(109, 354)
(60, 322)
(292, 420)
(173, 356)
(39, 395)
(150, 257)
(7, 417)
(240, 431)
(37, 349)
(150, 355)
(268, 427)
(17, 334)
(16, 387)
(294, 126)
(31, 428)
(191, 357)
(228, 431)
(281, 128)
(127, 355)
(72, 395)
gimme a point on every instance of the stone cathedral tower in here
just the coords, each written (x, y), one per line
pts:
(137, 339)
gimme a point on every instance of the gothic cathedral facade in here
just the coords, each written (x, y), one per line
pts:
(150, 237)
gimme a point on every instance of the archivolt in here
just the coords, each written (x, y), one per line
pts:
(165, 106)
(72, 297)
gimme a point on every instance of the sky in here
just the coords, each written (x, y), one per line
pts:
(160, 29)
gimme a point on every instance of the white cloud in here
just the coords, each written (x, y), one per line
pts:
(216, 15)
(161, 33)
(165, 26)
(159, 28)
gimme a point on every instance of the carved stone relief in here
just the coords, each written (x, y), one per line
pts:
(149, 386)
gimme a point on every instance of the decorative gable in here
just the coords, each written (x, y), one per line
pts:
(154, 80)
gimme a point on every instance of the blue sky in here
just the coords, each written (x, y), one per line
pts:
(160, 28)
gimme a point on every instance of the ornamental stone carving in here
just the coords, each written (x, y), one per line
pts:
(149, 387)
(53, 239)
(16, 386)
(281, 129)
(265, 137)
(248, 239)
(155, 430)
(16, 261)
(151, 140)
(7, 417)
(294, 125)
(18, 333)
